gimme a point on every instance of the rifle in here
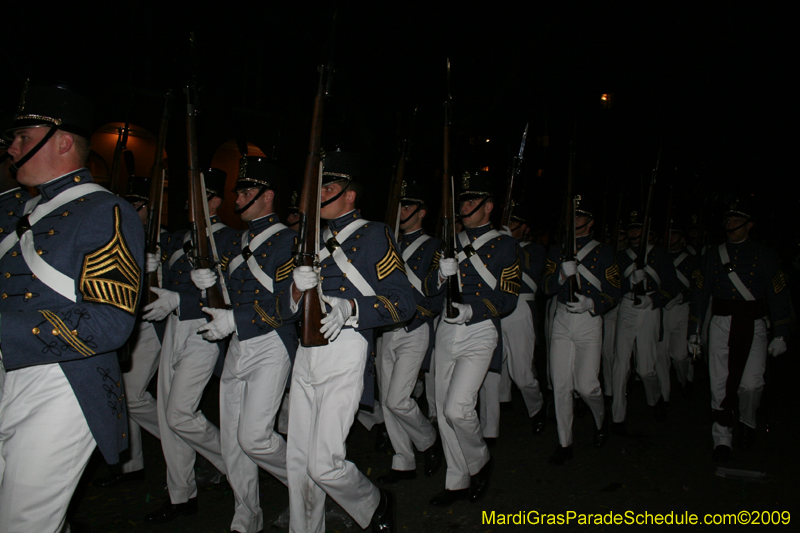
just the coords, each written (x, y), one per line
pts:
(570, 243)
(447, 230)
(305, 253)
(512, 173)
(153, 231)
(396, 188)
(203, 253)
(668, 228)
(639, 289)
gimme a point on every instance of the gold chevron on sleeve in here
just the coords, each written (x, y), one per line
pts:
(388, 305)
(60, 329)
(612, 276)
(698, 278)
(265, 317)
(549, 267)
(285, 270)
(435, 263)
(492, 309)
(424, 311)
(778, 282)
(391, 261)
(510, 279)
(110, 274)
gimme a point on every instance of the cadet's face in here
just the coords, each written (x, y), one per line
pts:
(480, 217)
(583, 225)
(254, 211)
(415, 221)
(292, 219)
(634, 234)
(675, 240)
(336, 208)
(737, 228)
(31, 173)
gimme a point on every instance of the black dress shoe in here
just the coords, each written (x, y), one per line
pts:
(721, 453)
(560, 455)
(118, 478)
(746, 436)
(601, 435)
(539, 420)
(448, 497)
(660, 409)
(397, 475)
(434, 457)
(383, 519)
(382, 438)
(479, 483)
(170, 511)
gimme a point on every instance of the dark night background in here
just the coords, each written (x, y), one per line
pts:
(710, 85)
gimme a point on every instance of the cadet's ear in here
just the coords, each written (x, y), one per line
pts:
(350, 197)
(422, 212)
(65, 142)
(269, 195)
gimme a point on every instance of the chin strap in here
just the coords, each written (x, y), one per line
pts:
(240, 210)
(737, 228)
(32, 152)
(476, 208)
(329, 200)
(411, 215)
(583, 226)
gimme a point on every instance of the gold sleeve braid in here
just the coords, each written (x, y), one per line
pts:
(778, 282)
(110, 275)
(265, 317)
(510, 279)
(285, 270)
(549, 267)
(435, 262)
(492, 309)
(391, 261)
(698, 278)
(70, 337)
(612, 276)
(388, 305)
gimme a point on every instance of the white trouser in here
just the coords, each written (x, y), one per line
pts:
(575, 365)
(609, 342)
(463, 354)
(399, 361)
(430, 387)
(673, 347)
(752, 384)
(327, 382)
(550, 313)
(489, 395)
(253, 380)
(45, 445)
(187, 361)
(639, 326)
(519, 340)
(142, 410)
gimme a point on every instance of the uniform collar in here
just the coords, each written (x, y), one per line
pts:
(474, 233)
(337, 224)
(214, 219)
(413, 235)
(56, 186)
(260, 224)
(583, 239)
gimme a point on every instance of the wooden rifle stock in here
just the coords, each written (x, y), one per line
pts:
(453, 294)
(153, 230)
(309, 230)
(201, 251)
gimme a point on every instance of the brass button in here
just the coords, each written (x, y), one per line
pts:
(7, 275)
(39, 251)
(51, 232)
(353, 249)
(342, 289)
(77, 179)
(256, 291)
(14, 254)
(124, 435)
(1, 230)
(55, 331)
(35, 331)
(119, 415)
(28, 295)
(375, 306)
(75, 334)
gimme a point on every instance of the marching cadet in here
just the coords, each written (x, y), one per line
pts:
(578, 327)
(186, 364)
(71, 277)
(744, 283)
(364, 287)
(144, 352)
(519, 334)
(676, 315)
(259, 264)
(467, 345)
(403, 349)
(639, 321)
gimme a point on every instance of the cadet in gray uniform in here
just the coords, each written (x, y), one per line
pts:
(364, 287)
(70, 289)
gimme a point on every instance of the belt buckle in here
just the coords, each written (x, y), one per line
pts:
(332, 244)
(23, 225)
(246, 253)
(728, 267)
(469, 251)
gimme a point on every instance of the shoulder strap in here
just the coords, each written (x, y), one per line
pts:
(732, 275)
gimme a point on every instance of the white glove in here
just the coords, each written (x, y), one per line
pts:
(776, 347)
(340, 313)
(583, 304)
(203, 278)
(675, 301)
(167, 302)
(505, 231)
(645, 302)
(153, 261)
(694, 344)
(464, 314)
(568, 268)
(638, 276)
(305, 278)
(448, 266)
(221, 325)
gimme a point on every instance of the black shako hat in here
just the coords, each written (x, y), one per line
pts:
(635, 220)
(339, 165)
(478, 184)
(214, 179)
(517, 210)
(256, 172)
(53, 105)
(413, 193)
(583, 207)
(293, 204)
(138, 189)
(739, 207)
